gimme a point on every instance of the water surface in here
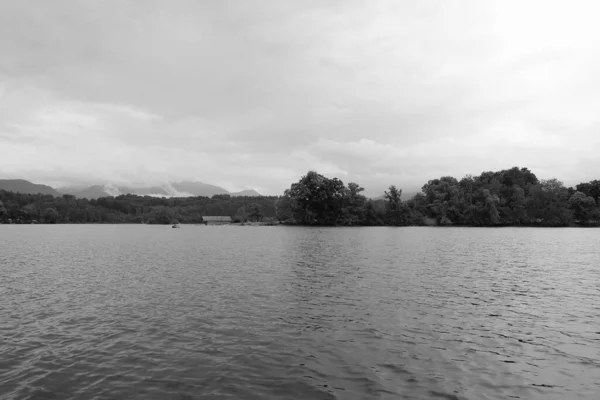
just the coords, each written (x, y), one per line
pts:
(215, 312)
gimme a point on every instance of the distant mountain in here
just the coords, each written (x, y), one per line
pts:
(198, 188)
(92, 192)
(248, 193)
(26, 187)
(170, 189)
(141, 191)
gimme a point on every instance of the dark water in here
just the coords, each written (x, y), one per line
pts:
(139, 312)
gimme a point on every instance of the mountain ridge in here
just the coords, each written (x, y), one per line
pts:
(26, 187)
(168, 189)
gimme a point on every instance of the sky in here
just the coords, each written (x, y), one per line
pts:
(255, 93)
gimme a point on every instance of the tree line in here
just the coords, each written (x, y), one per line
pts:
(508, 197)
(129, 208)
(503, 198)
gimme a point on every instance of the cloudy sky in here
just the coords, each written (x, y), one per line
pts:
(254, 93)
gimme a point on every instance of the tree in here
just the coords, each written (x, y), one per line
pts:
(396, 212)
(552, 185)
(30, 212)
(163, 215)
(393, 199)
(466, 185)
(547, 204)
(371, 218)
(583, 206)
(283, 208)
(443, 200)
(316, 200)
(254, 212)
(518, 205)
(2, 211)
(591, 189)
(490, 205)
(50, 216)
(518, 177)
(354, 205)
(241, 214)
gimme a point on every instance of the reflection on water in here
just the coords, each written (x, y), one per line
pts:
(142, 312)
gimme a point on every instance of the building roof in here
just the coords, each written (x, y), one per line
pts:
(219, 218)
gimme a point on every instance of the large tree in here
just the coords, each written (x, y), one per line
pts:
(353, 212)
(444, 200)
(254, 212)
(547, 203)
(591, 189)
(396, 212)
(583, 207)
(317, 200)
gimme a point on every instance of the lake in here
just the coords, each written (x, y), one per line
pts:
(215, 312)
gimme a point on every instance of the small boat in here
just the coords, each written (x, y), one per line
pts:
(175, 226)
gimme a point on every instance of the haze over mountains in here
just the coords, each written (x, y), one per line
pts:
(168, 189)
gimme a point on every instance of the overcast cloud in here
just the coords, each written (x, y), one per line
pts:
(254, 93)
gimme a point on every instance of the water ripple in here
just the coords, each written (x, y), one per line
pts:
(139, 312)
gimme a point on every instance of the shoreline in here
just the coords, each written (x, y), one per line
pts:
(254, 224)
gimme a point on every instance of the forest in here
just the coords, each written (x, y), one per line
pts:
(511, 197)
(130, 209)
